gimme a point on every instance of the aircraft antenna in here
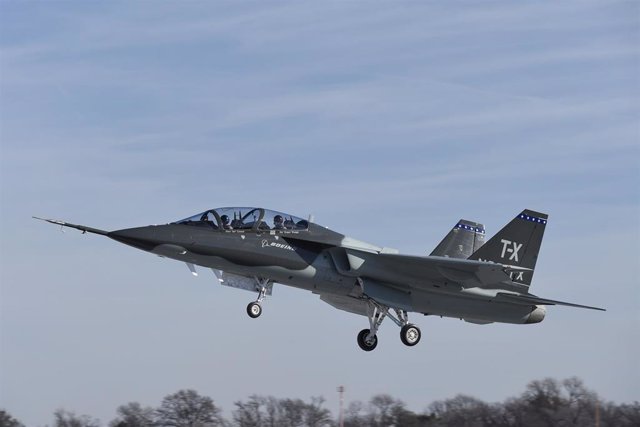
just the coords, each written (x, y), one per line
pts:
(341, 413)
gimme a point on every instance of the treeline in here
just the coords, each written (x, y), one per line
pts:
(547, 402)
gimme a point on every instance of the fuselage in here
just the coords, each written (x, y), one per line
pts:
(464, 277)
(316, 259)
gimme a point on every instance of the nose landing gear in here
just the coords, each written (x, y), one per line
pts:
(254, 309)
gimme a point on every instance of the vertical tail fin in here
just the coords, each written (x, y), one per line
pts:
(518, 243)
(464, 239)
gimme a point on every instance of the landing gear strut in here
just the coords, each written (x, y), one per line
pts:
(367, 339)
(254, 309)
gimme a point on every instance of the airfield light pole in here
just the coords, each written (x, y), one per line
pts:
(341, 413)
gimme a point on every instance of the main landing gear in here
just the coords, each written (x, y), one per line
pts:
(367, 339)
(254, 309)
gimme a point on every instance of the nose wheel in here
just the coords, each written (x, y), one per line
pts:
(254, 310)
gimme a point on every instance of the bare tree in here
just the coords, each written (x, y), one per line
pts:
(382, 410)
(261, 411)
(463, 411)
(624, 415)
(186, 408)
(546, 402)
(249, 414)
(6, 420)
(513, 413)
(69, 419)
(315, 415)
(353, 415)
(133, 415)
(581, 403)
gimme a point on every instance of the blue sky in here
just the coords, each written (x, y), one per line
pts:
(388, 121)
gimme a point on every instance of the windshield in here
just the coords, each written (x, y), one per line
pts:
(246, 219)
(203, 219)
(273, 220)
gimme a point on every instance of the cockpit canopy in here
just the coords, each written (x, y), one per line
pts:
(246, 219)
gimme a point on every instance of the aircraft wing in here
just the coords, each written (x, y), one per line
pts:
(407, 269)
(412, 271)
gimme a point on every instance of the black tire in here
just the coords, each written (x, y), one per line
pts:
(363, 344)
(410, 335)
(254, 310)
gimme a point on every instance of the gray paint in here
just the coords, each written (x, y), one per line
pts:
(352, 275)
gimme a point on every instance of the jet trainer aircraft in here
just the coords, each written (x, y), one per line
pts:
(253, 248)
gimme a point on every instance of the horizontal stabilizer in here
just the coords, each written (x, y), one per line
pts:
(532, 299)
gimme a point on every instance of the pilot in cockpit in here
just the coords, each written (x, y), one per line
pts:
(278, 222)
(225, 222)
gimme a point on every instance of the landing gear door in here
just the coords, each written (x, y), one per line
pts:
(240, 282)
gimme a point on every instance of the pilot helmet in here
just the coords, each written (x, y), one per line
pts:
(225, 219)
(278, 219)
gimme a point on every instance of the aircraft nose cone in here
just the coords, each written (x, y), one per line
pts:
(140, 237)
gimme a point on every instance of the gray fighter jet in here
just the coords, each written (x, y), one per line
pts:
(465, 278)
